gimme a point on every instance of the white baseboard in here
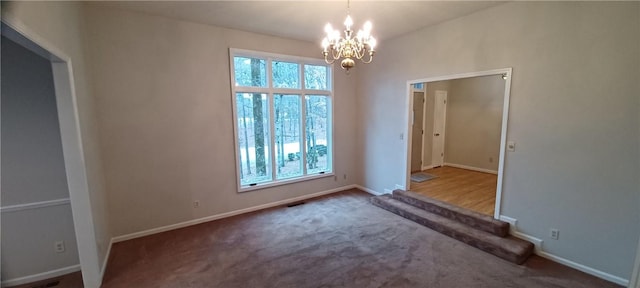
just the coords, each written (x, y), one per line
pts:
(540, 252)
(584, 268)
(471, 168)
(427, 167)
(229, 214)
(40, 276)
(370, 191)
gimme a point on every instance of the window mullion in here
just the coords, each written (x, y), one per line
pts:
(303, 126)
(272, 123)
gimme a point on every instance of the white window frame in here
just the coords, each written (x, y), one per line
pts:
(270, 91)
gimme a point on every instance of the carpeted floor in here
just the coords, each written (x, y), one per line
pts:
(334, 241)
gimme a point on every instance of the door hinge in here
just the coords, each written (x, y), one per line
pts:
(442, 154)
(445, 101)
(422, 132)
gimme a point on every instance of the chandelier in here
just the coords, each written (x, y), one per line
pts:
(360, 47)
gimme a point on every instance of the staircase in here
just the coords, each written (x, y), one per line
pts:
(475, 229)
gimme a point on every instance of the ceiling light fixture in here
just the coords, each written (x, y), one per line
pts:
(348, 47)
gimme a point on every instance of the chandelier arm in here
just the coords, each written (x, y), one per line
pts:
(370, 57)
(326, 59)
(334, 55)
(359, 51)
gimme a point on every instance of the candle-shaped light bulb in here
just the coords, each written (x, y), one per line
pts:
(336, 35)
(328, 29)
(372, 42)
(348, 22)
(367, 27)
(325, 43)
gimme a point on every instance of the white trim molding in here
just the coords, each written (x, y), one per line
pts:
(427, 167)
(503, 134)
(635, 274)
(40, 276)
(229, 214)
(471, 168)
(584, 268)
(34, 205)
(371, 191)
(539, 250)
(105, 261)
(73, 151)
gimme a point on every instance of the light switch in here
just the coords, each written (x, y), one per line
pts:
(511, 146)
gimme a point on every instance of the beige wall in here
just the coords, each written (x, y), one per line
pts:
(474, 122)
(164, 101)
(60, 24)
(573, 114)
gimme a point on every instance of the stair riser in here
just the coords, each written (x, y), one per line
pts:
(497, 251)
(499, 230)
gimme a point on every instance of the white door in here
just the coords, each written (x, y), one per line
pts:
(417, 131)
(440, 114)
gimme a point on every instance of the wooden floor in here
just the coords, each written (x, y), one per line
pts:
(71, 280)
(465, 188)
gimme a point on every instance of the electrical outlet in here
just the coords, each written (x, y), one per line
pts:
(196, 204)
(554, 233)
(511, 146)
(335, 177)
(490, 159)
(344, 176)
(58, 246)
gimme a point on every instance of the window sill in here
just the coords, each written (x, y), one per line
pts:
(284, 182)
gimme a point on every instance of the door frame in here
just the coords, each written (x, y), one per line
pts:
(424, 120)
(503, 135)
(72, 148)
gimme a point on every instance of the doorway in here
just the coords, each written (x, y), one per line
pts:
(419, 104)
(72, 157)
(467, 138)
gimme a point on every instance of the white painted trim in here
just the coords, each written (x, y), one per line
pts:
(471, 168)
(539, 250)
(427, 167)
(371, 191)
(537, 242)
(635, 274)
(512, 223)
(40, 276)
(227, 214)
(503, 134)
(73, 151)
(34, 205)
(270, 91)
(106, 259)
(584, 268)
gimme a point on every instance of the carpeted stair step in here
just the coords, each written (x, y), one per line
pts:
(471, 218)
(509, 248)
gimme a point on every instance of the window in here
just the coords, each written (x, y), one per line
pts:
(283, 124)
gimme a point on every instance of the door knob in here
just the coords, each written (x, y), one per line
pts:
(437, 134)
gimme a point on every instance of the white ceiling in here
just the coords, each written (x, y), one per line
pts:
(305, 20)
